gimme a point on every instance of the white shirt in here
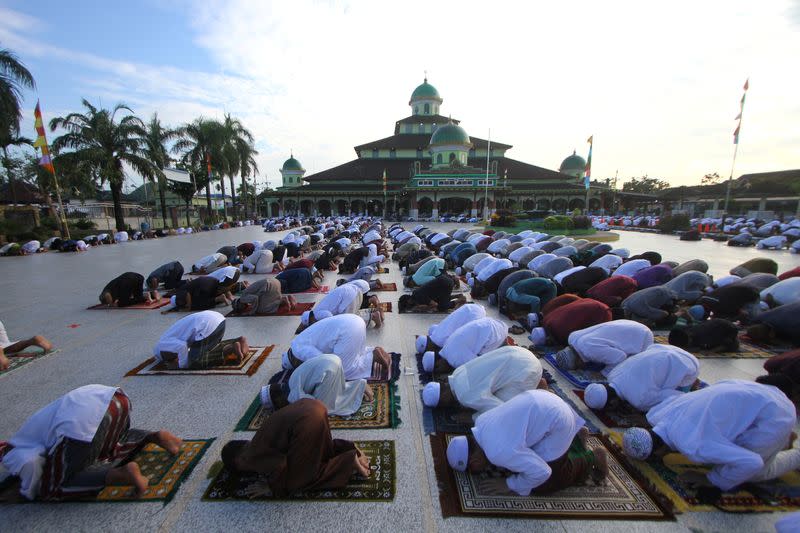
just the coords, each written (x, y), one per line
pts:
(31, 247)
(472, 261)
(784, 292)
(608, 262)
(735, 425)
(654, 375)
(345, 298)
(439, 237)
(439, 333)
(322, 378)
(610, 343)
(495, 377)
(494, 268)
(498, 246)
(524, 434)
(558, 278)
(342, 335)
(473, 339)
(225, 272)
(259, 262)
(539, 261)
(210, 261)
(189, 329)
(517, 254)
(370, 236)
(631, 267)
(483, 264)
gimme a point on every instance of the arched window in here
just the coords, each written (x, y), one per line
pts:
(439, 159)
(427, 109)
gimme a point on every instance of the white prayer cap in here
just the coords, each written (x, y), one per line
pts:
(430, 394)
(533, 320)
(458, 453)
(266, 401)
(595, 396)
(173, 301)
(428, 359)
(304, 318)
(538, 336)
(459, 270)
(637, 443)
(421, 343)
(361, 284)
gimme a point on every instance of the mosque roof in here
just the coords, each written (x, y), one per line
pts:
(425, 91)
(450, 134)
(420, 141)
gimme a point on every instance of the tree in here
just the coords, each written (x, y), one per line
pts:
(100, 141)
(155, 140)
(247, 167)
(239, 153)
(186, 191)
(197, 141)
(7, 140)
(710, 179)
(645, 185)
(13, 78)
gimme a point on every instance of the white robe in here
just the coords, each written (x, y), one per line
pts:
(259, 262)
(227, 272)
(654, 375)
(346, 298)
(559, 278)
(76, 415)
(342, 335)
(484, 264)
(373, 257)
(439, 333)
(498, 246)
(210, 262)
(473, 339)
(736, 425)
(31, 247)
(322, 378)
(631, 267)
(495, 377)
(189, 329)
(371, 236)
(608, 262)
(473, 260)
(784, 292)
(524, 434)
(494, 268)
(518, 254)
(610, 343)
(539, 261)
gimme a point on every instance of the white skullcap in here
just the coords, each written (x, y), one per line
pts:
(459, 270)
(361, 284)
(172, 301)
(458, 453)
(266, 401)
(304, 318)
(538, 336)
(430, 394)
(637, 443)
(533, 320)
(428, 358)
(421, 343)
(403, 270)
(595, 396)
(764, 306)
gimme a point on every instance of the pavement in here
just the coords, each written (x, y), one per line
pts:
(48, 294)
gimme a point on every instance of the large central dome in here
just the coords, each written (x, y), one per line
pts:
(425, 91)
(450, 134)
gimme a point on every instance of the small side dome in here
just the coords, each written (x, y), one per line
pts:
(573, 165)
(292, 164)
(450, 134)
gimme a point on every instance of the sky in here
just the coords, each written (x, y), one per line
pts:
(656, 85)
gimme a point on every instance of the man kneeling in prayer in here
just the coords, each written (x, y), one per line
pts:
(434, 296)
(487, 381)
(537, 438)
(744, 429)
(646, 379)
(10, 347)
(347, 298)
(465, 344)
(321, 378)
(209, 263)
(439, 333)
(608, 344)
(80, 443)
(344, 336)
(293, 451)
(190, 343)
(262, 297)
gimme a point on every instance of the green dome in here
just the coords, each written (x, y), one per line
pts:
(426, 91)
(450, 134)
(292, 164)
(572, 164)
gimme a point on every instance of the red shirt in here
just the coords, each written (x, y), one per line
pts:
(613, 290)
(793, 273)
(300, 263)
(559, 301)
(581, 314)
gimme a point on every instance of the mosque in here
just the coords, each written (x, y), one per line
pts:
(429, 167)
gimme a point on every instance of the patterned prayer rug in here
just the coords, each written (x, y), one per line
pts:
(23, 358)
(581, 377)
(386, 307)
(155, 304)
(379, 487)
(283, 310)
(781, 494)
(622, 497)
(249, 366)
(381, 413)
(385, 287)
(747, 350)
(322, 289)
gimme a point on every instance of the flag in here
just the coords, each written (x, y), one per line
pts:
(736, 134)
(45, 161)
(741, 110)
(588, 175)
(746, 84)
(208, 165)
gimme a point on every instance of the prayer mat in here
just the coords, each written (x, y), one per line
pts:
(379, 414)
(622, 497)
(386, 287)
(23, 358)
(379, 487)
(299, 309)
(433, 312)
(580, 377)
(249, 366)
(556, 389)
(747, 350)
(322, 289)
(380, 373)
(782, 494)
(386, 307)
(155, 304)
(165, 472)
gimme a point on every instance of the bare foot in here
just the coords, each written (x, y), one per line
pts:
(543, 385)
(583, 435)
(600, 467)
(358, 464)
(378, 284)
(129, 474)
(5, 363)
(42, 343)
(233, 352)
(243, 344)
(168, 441)
(369, 394)
(377, 318)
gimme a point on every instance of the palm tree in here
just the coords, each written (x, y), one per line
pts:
(104, 143)
(247, 166)
(156, 150)
(238, 151)
(200, 141)
(13, 78)
(8, 139)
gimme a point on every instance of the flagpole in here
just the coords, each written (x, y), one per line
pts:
(486, 182)
(736, 149)
(41, 145)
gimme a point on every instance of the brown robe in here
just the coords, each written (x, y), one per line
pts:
(294, 449)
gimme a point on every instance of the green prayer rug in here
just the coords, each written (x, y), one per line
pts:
(23, 358)
(379, 487)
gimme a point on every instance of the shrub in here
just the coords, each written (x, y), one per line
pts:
(670, 223)
(84, 224)
(504, 218)
(558, 222)
(581, 222)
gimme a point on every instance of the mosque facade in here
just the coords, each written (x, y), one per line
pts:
(429, 167)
